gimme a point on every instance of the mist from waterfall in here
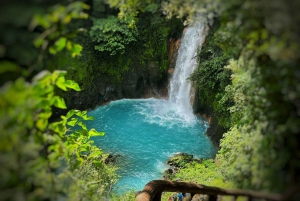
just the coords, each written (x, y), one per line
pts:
(180, 88)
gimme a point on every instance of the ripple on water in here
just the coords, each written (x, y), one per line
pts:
(146, 132)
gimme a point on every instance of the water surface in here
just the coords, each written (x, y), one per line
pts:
(146, 132)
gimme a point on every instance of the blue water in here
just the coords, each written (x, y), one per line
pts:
(146, 132)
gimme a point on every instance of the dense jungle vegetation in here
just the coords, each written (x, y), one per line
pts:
(53, 52)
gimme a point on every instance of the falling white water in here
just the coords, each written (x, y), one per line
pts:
(180, 88)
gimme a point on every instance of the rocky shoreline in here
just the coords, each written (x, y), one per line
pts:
(177, 162)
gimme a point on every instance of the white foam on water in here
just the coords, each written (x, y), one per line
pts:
(165, 114)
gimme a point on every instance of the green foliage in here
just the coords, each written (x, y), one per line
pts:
(180, 160)
(129, 10)
(38, 158)
(14, 37)
(112, 35)
(55, 34)
(43, 159)
(261, 101)
(204, 172)
(124, 196)
(258, 150)
(154, 32)
(123, 49)
(189, 9)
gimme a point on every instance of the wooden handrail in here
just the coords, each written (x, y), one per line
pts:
(153, 190)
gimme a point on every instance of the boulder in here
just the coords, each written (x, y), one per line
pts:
(180, 160)
(111, 158)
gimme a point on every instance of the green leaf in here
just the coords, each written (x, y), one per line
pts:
(69, 45)
(94, 133)
(38, 42)
(59, 73)
(45, 115)
(7, 66)
(77, 163)
(57, 127)
(80, 113)
(41, 124)
(83, 149)
(60, 43)
(67, 19)
(70, 113)
(152, 7)
(43, 75)
(95, 154)
(59, 102)
(76, 50)
(98, 164)
(72, 85)
(88, 118)
(82, 125)
(72, 122)
(40, 20)
(60, 83)
(52, 50)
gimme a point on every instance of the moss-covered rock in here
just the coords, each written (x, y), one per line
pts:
(177, 162)
(180, 160)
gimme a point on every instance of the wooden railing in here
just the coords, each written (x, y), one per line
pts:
(153, 191)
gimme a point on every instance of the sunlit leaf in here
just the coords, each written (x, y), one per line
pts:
(60, 83)
(52, 50)
(76, 50)
(7, 66)
(83, 149)
(80, 113)
(38, 42)
(42, 75)
(59, 102)
(70, 113)
(57, 127)
(94, 133)
(69, 45)
(67, 19)
(60, 43)
(41, 124)
(95, 154)
(152, 8)
(98, 164)
(39, 20)
(72, 85)
(45, 115)
(59, 73)
(82, 125)
(72, 122)
(78, 162)
(88, 118)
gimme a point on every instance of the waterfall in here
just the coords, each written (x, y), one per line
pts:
(180, 89)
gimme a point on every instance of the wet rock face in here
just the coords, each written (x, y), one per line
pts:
(140, 81)
(173, 51)
(111, 158)
(215, 131)
(102, 91)
(149, 80)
